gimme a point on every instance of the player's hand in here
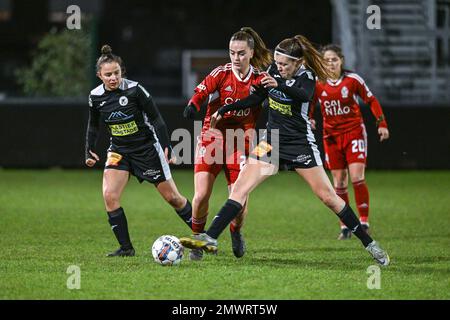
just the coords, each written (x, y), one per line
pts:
(172, 160)
(190, 111)
(215, 118)
(269, 82)
(90, 162)
(384, 133)
(313, 124)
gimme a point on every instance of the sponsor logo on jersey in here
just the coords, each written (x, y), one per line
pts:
(262, 149)
(201, 87)
(289, 83)
(361, 156)
(201, 152)
(344, 92)
(123, 129)
(303, 158)
(280, 107)
(102, 103)
(123, 101)
(324, 94)
(117, 115)
(228, 88)
(334, 108)
(113, 159)
(152, 173)
(279, 95)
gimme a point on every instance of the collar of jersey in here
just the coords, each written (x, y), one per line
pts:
(336, 83)
(250, 71)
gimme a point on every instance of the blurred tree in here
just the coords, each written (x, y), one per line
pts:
(61, 65)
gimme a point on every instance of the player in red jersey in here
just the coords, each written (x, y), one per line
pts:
(224, 85)
(344, 133)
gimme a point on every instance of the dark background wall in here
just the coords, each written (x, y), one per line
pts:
(49, 134)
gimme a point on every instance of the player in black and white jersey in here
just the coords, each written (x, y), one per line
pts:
(140, 145)
(289, 87)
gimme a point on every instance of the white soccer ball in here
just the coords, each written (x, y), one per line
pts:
(167, 250)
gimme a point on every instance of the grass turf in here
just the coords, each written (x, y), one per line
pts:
(52, 219)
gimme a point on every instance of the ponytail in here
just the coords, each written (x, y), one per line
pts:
(262, 57)
(299, 47)
(313, 59)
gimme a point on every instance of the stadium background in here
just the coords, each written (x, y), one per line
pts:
(406, 64)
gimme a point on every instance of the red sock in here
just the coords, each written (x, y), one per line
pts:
(343, 193)
(234, 227)
(198, 225)
(362, 200)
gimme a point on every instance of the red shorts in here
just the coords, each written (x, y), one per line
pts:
(346, 148)
(213, 156)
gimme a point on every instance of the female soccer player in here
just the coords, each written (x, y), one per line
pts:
(344, 133)
(140, 145)
(289, 87)
(225, 85)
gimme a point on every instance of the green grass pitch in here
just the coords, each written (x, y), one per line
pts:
(53, 219)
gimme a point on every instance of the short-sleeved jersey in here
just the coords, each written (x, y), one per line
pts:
(224, 86)
(339, 104)
(286, 114)
(122, 111)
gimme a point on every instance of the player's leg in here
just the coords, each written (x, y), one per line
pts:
(335, 161)
(340, 183)
(206, 170)
(203, 184)
(182, 206)
(151, 165)
(357, 176)
(114, 182)
(321, 186)
(233, 166)
(237, 239)
(356, 156)
(253, 173)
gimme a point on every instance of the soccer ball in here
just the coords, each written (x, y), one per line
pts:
(167, 250)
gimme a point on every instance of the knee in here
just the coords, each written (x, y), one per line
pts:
(341, 184)
(357, 179)
(111, 199)
(200, 198)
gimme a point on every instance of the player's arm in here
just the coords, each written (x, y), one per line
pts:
(368, 98)
(202, 91)
(91, 135)
(252, 101)
(149, 107)
(312, 109)
(303, 89)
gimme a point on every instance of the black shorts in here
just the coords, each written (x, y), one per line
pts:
(287, 154)
(149, 164)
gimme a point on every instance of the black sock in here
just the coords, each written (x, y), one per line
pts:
(228, 212)
(119, 226)
(186, 214)
(350, 220)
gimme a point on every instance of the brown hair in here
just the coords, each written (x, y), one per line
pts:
(338, 50)
(300, 47)
(262, 57)
(108, 57)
